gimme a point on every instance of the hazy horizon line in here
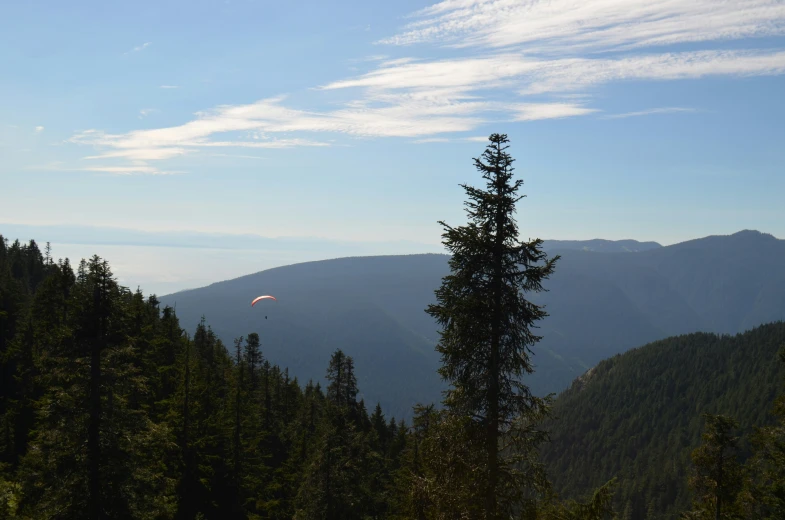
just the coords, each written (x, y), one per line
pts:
(193, 239)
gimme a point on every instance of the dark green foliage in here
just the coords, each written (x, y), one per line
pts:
(93, 451)
(333, 484)
(109, 410)
(637, 416)
(445, 472)
(22, 269)
(717, 477)
(598, 507)
(763, 496)
(347, 475)
(253, 358)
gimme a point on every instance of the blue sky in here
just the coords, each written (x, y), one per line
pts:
(349, 125)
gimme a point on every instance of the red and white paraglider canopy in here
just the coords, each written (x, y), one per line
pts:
(258, 298)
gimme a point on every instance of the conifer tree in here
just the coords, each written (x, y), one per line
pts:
(628, 512)
(187, 486)
(486, 335)
(237, 410)
(380, 429)
(350, 383)
(267, 394)
(335, 483)
(253, 358)
(206, 425)
(336, 375)
(717, 475)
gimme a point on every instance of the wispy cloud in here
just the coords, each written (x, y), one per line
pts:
(383, 114)
(136, 168)
(146, 112)
(651, 111)
(538, 76)
(169, 86)
(237, 156)
(540, 111)
(581, 73)
(140, 154)
(167, 143)
(432, 140)
(139, 47)
(593, 25)
(39, 129)
(126, 170)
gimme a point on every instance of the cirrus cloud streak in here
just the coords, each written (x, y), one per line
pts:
(590, 25)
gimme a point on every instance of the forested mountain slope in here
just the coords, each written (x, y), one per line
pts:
(637, 415)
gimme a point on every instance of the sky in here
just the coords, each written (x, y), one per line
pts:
(303, 130)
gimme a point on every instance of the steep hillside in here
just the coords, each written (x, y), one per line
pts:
(637, 416)
(600, 304)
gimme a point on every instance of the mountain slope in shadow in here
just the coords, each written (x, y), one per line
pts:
(600, 304)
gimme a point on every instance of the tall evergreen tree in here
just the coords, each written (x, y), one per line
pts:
(486, 335)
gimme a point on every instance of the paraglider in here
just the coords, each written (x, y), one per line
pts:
(258, 298)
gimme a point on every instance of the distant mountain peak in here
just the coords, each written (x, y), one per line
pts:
(739, 239)
(754, 233)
